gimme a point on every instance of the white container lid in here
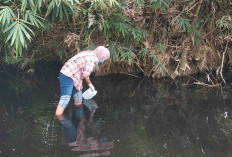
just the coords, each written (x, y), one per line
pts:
(89, 94)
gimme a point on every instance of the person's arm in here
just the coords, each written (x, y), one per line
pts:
(86, 73)
(87, 79)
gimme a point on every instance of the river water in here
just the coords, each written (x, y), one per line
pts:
(135, 117)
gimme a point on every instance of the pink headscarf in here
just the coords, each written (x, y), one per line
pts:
(102, 53)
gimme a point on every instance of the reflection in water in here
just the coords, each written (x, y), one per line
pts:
(76, 136)
(142, 117)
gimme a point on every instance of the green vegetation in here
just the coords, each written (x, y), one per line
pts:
(159, 34)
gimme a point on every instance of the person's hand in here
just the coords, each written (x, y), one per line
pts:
(91, 87)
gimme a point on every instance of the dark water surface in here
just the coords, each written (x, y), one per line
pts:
(135, 117)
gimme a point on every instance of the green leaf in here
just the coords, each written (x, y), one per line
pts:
(11, 26)
(113, 3)
(114, 51)
(127, 54)
(26, 33)
(22, 38)
(159, 63)
(184, 23)
(160, 3)
(6, 14)
(32, 4)
(50, 7)
(17, 35)
(34, 19)
(12, 29)
(143, 52)
(24, 5)
(160, 46)
(24, 25)
(198, 22)
(139, 2)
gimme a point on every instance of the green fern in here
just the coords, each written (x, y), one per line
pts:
(143, 53)
(225, 21)
(127, 54)
(114, 51)
(61, 54)
(121, 26)
(139, 2)
(197, 32)
(104, 3)
(160, 3)
(184, 23)
(157, 61)
(61, 9)
(160, 46)
(20, 62)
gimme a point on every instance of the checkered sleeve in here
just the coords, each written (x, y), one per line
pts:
(90, 65)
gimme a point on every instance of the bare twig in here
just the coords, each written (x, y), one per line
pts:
(130, 74)
(138, 65)
(198, 7)
(204, 84)
(207, 85)
(222, 64)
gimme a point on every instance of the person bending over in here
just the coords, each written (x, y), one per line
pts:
(73, 72)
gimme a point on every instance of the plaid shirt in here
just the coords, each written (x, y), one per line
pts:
(79, 67)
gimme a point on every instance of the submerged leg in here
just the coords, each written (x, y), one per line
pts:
(77, 95)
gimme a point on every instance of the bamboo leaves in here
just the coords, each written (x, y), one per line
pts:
(122, 28)
(160, 46)
(114, 51)
(139, 2)
(184, 23)
(156, 60)
(28, 4)
(104, 3)
(143, 53)
(24, 5)
(160, 3)
(113, 3)
(61, 9)
(34, 19)
(6, 15)
(138, 33)
(19, 20)
(18, 32)
(18, 29)
(125, 53)
(99, 3)
(225, 22)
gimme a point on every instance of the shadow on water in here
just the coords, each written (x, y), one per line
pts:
(77, 128)
(134, 117)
